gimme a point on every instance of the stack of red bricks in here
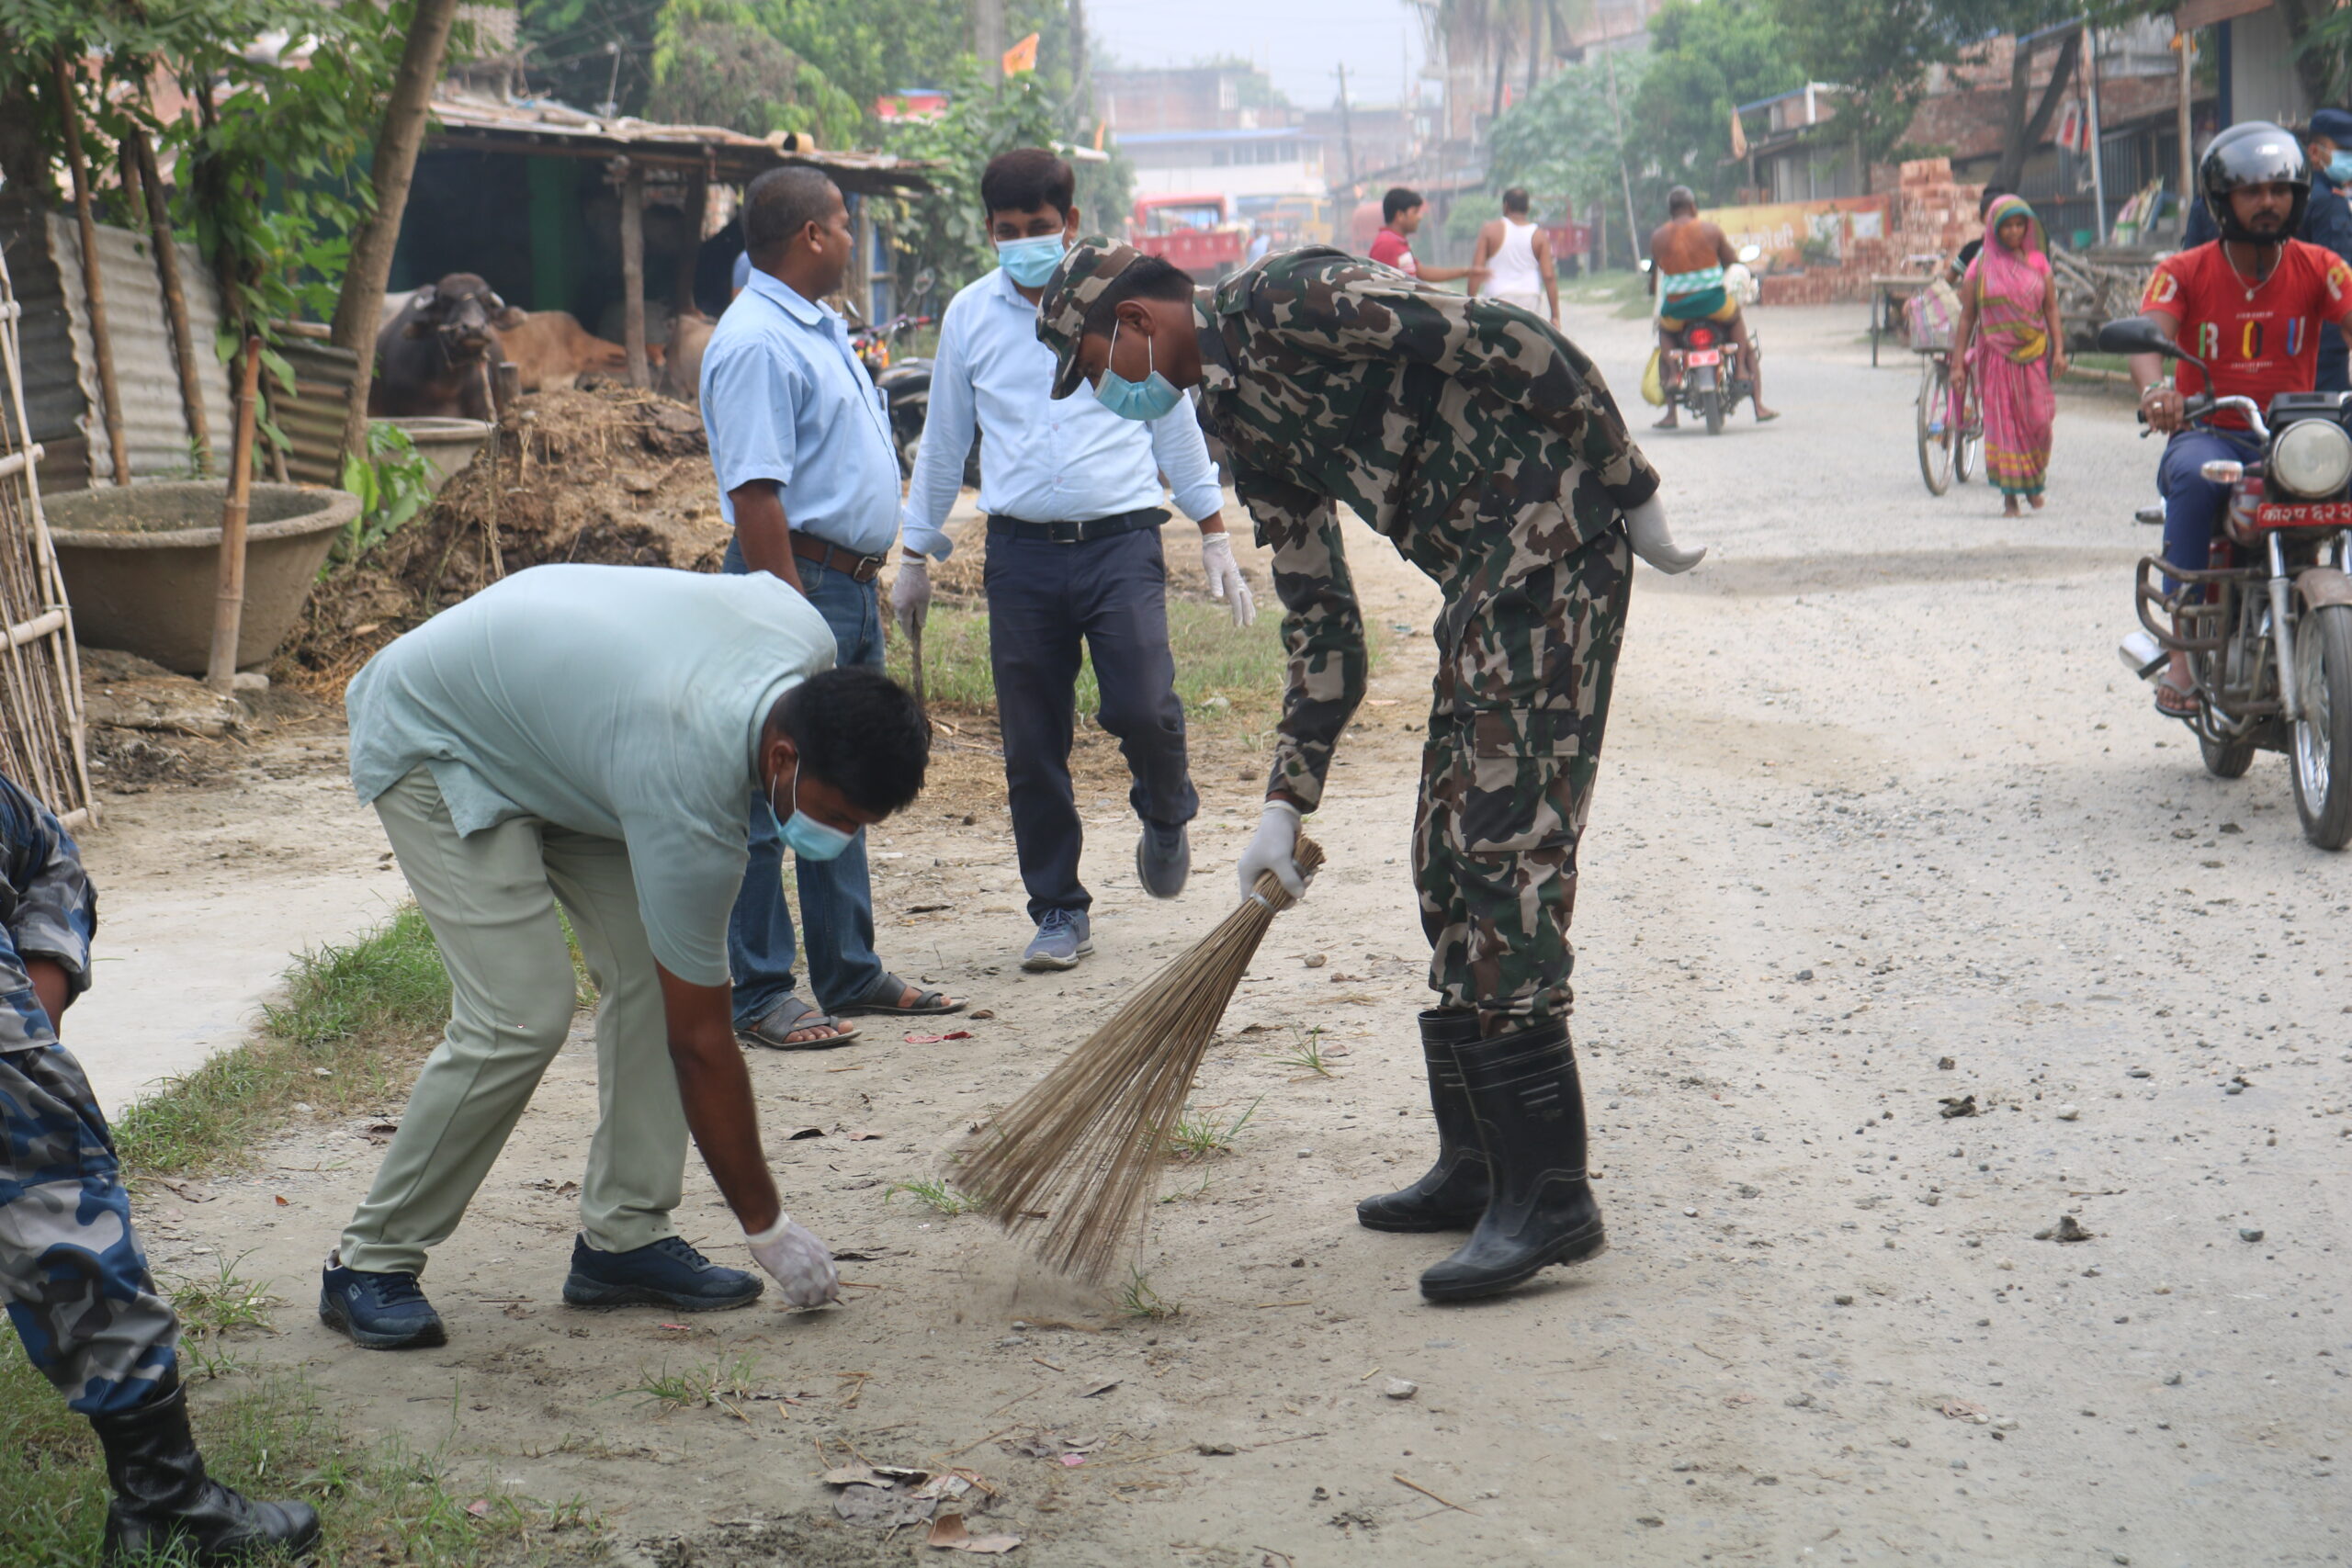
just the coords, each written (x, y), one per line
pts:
(1928, 214)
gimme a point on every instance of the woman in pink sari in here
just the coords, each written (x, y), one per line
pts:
(2009, 340)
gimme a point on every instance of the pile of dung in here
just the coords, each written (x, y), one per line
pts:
(605, 474)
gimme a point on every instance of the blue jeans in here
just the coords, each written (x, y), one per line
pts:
(2193, 504)
(836, 898)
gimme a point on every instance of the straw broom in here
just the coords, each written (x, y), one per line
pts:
(1083, 1149)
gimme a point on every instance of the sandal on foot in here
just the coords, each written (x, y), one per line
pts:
(2182, 702)
(883, 1000)
(792, 1016)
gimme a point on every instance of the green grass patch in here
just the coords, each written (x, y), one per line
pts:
(354, 1021)
(934, 1195)
(384, 1503)
(1222, 670)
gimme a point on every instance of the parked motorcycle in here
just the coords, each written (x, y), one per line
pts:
(905, 384)
(2266, 624)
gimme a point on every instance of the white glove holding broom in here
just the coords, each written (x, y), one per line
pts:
(799, 1261)
(1275, 848)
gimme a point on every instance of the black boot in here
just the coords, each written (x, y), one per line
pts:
(1523, 1089)
(1452, 1194)
(163, 1499)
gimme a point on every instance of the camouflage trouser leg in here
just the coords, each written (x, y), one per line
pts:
(72, 1272)
(1526, 656)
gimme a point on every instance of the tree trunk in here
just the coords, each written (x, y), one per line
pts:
(357, 308)
(2023, 133)
(167, 271)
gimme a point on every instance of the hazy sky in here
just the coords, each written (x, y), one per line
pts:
(1300, 42)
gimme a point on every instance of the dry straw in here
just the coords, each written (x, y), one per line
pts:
(1080, 1155)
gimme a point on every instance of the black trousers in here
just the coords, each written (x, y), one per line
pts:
(1043, 599)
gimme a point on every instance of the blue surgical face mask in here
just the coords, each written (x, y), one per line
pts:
(803, 834)
(1148, 399)
(1030, 262)
(2339, 168)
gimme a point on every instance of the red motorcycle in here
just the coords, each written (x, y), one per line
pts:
(2266, 623)
(1706, 373)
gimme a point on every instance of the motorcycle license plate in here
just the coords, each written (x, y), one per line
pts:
(1706, 357)
(2304, 515)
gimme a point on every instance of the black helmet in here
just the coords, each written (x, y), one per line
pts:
(2253, 152)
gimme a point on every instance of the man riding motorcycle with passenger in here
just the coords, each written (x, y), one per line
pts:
(1688, 257)
(2249, 305)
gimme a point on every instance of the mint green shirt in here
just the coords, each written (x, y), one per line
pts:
(618, 701)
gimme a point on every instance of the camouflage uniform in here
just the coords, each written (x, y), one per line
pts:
(1485, 445)
(72, 1272)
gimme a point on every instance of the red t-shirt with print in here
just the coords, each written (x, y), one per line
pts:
(1391, 249)
(2258, 342)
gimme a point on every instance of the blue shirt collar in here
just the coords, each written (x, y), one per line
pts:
(785, 294)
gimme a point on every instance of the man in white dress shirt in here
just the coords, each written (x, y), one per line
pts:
(1073, 495)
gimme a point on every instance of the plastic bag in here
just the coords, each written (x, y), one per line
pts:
(1653, 380)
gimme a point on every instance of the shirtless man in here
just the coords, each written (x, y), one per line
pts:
(1687, 260)
(1517, 258)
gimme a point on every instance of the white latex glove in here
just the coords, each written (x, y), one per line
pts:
(1646, 526)
(911, 593)
(1273, 848)
(1224, 577)
(799, 1261)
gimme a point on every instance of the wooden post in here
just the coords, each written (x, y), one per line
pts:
(2187, 42)
(167, 268)
(101, 341)
(696, 210)
(860, 281)
(633, 271)
(229, 603)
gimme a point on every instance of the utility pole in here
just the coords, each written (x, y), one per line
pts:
(2098, 174)
(1632, 224)
(988, 37)
(1347, 130)
(2187, 42)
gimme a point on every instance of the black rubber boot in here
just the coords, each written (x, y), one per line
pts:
(1523, 1089)
(163, 1501)
(1452, 1193)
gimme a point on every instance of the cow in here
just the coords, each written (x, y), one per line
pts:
(552, 349)
(682, 370)
(435, 359)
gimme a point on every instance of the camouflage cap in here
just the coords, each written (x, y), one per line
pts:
(1091, 268)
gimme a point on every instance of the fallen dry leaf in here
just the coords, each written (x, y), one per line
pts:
(865, 1135)
(479, 1507)
(948, 1533)
(853, 1476)
(282, 1203)
(948, 1485)
(804, 1133)
(978, 1013)
(1105, 1386)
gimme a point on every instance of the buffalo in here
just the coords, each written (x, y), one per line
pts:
(436, 358)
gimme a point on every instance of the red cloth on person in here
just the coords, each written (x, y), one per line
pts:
(1391, 249)
(2257, 347)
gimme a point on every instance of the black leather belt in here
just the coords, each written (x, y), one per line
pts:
(849, 563)
(1084, 533)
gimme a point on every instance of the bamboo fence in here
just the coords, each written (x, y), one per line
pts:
(41, 744)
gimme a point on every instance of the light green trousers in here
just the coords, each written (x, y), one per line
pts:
(491, 899)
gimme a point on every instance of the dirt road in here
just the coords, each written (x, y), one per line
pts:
(1882, 828)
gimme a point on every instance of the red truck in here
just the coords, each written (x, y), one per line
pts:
(1197, 232)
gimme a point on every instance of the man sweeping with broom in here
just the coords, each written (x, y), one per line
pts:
(1484, 446)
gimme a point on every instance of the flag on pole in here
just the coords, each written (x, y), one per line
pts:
(1738, 136)
(1022, 56)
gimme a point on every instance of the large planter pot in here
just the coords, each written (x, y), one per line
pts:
(141, 565)
(445, 445)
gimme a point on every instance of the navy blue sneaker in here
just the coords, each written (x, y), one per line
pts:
(666, 1273)
(380, 1312)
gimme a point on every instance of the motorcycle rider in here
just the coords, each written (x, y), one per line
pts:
(1688, 257)
(2249, 306)
(2327, 220)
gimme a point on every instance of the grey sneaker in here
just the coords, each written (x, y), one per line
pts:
(1063, 938)
(1163, 858)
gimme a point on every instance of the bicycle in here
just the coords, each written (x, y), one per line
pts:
(1946, 453)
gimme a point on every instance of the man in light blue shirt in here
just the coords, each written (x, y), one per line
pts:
(597, 737)
(1072, 496)
(808, 475)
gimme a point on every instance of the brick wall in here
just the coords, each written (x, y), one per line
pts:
(1928, 214)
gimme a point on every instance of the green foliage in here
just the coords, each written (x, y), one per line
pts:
(393, 484)
(566, 41)
(945, 229)
(1472, 212)
(932, 1194)
(724, 62)
(1706, 57)
(1560, 141)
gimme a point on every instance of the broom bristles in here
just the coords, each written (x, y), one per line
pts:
(1082, 1150)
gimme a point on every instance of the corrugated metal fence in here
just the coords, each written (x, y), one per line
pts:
(44, 255)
